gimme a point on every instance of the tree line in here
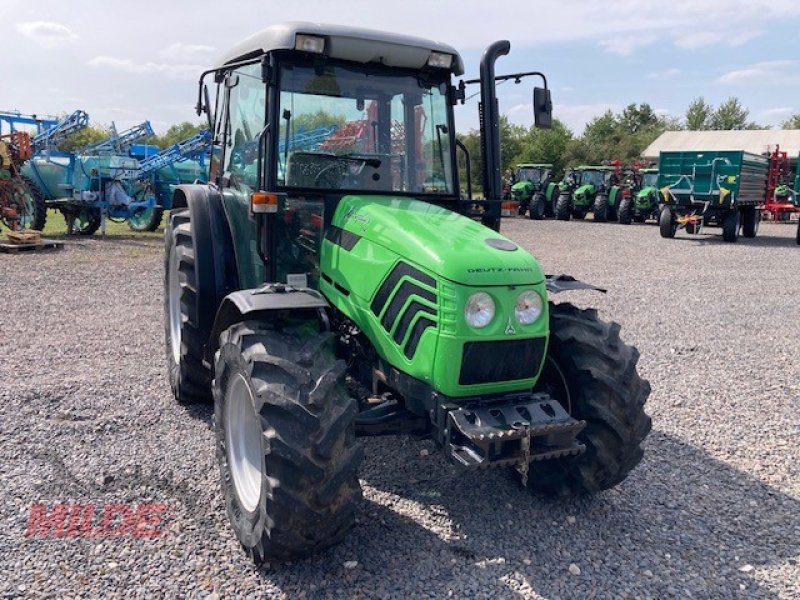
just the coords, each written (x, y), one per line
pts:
(621, 135)
(94, 134)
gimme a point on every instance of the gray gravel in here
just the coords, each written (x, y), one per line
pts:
(712, 512)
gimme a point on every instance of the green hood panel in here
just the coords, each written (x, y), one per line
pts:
(438, 240)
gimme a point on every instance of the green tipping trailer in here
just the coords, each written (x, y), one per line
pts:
(710, 188)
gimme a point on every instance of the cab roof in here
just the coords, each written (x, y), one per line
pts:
(535, 166)
(595, 168)
(347, 43)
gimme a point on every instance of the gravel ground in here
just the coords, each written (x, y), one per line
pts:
(713, 511)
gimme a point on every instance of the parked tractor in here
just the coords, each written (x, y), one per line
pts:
(20, 207)
(594, 189)
(535, 190)
(349, 290)
(712, 188)
(643, 200)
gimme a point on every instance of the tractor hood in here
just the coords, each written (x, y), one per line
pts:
(443, 242)
(646, 191)
(586, 189)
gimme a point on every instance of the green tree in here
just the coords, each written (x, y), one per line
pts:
(544, 145)
(321, 118)
(636, 118)
(698, 115)
(177, 133)
(79, 140)
(792, 122)
(731, 115)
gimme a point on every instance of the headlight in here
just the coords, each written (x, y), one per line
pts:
(479, 310)
(528, 307)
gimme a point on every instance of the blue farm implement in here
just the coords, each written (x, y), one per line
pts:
(104, 182)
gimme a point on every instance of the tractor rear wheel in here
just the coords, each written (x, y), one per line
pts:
(751, 218)
(592, 373)
(146, 219)
(286, 445)
(537, 208)
(600, 208)
(667, 223)
(563, 208)
(730, 226)
(39, 215)
(626, 211)
(189, 379)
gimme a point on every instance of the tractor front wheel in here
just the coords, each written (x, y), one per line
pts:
(563, 208)
(286, 445)
(626, 211)
(38, 206)
(751, 217)
(667, 223)
(730, 226)
(600, 208)
(537, 208)
(592, 373)
(82, 222)
(189, 378)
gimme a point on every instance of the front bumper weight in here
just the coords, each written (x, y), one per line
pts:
(527, 429)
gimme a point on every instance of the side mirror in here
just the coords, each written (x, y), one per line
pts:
(542, 108)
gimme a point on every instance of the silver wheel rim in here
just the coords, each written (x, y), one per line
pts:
(174, 307)
(243, 437)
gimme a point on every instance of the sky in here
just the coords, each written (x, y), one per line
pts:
(126, 61)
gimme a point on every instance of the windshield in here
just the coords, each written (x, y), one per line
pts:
(593, 177)
(650, 180)
(363, 128)
(529, 174)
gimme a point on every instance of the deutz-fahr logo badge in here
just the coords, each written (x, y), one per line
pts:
(510, 328)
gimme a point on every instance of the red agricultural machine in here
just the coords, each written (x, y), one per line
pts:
(781, 200)
(20, 207)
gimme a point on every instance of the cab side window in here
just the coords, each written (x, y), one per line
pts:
(246, 115)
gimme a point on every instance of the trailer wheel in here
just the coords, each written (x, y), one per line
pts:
(82, 222)
(563, 209)
(600, 208)
(286, 445)
(626, 211)
(189, 379)
(39, 205)
(592, 373)
(751, 218)
(730, 226)
(146, 219)
(537, 208)
(667, 224)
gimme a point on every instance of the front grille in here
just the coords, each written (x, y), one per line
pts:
(492, 362)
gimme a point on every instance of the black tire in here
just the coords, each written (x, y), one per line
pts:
(667, 223)
(626, 211)
(563, 208)
(691, 228)
(798, 233)
(189, 379)
(550, 206)
(85, 221)
(600, 208)
(730, 226)
(537, 208)
(751, 218)
(39, 205)
(592, 372)
(305, 421)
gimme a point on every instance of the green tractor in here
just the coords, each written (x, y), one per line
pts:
(324, 292)
(644, 200)
(535, 190)
(594, 189)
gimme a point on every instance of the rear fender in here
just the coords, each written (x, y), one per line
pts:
(214, 259)
(269, 302)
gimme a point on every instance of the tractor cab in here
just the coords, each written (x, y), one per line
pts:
(643, 200)
(587, 189)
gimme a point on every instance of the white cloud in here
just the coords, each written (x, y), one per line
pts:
(772, 71)
(775, 116)
(673, 72)
(174, 71)
(626, 45)
(47, 33)
(186, 52)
